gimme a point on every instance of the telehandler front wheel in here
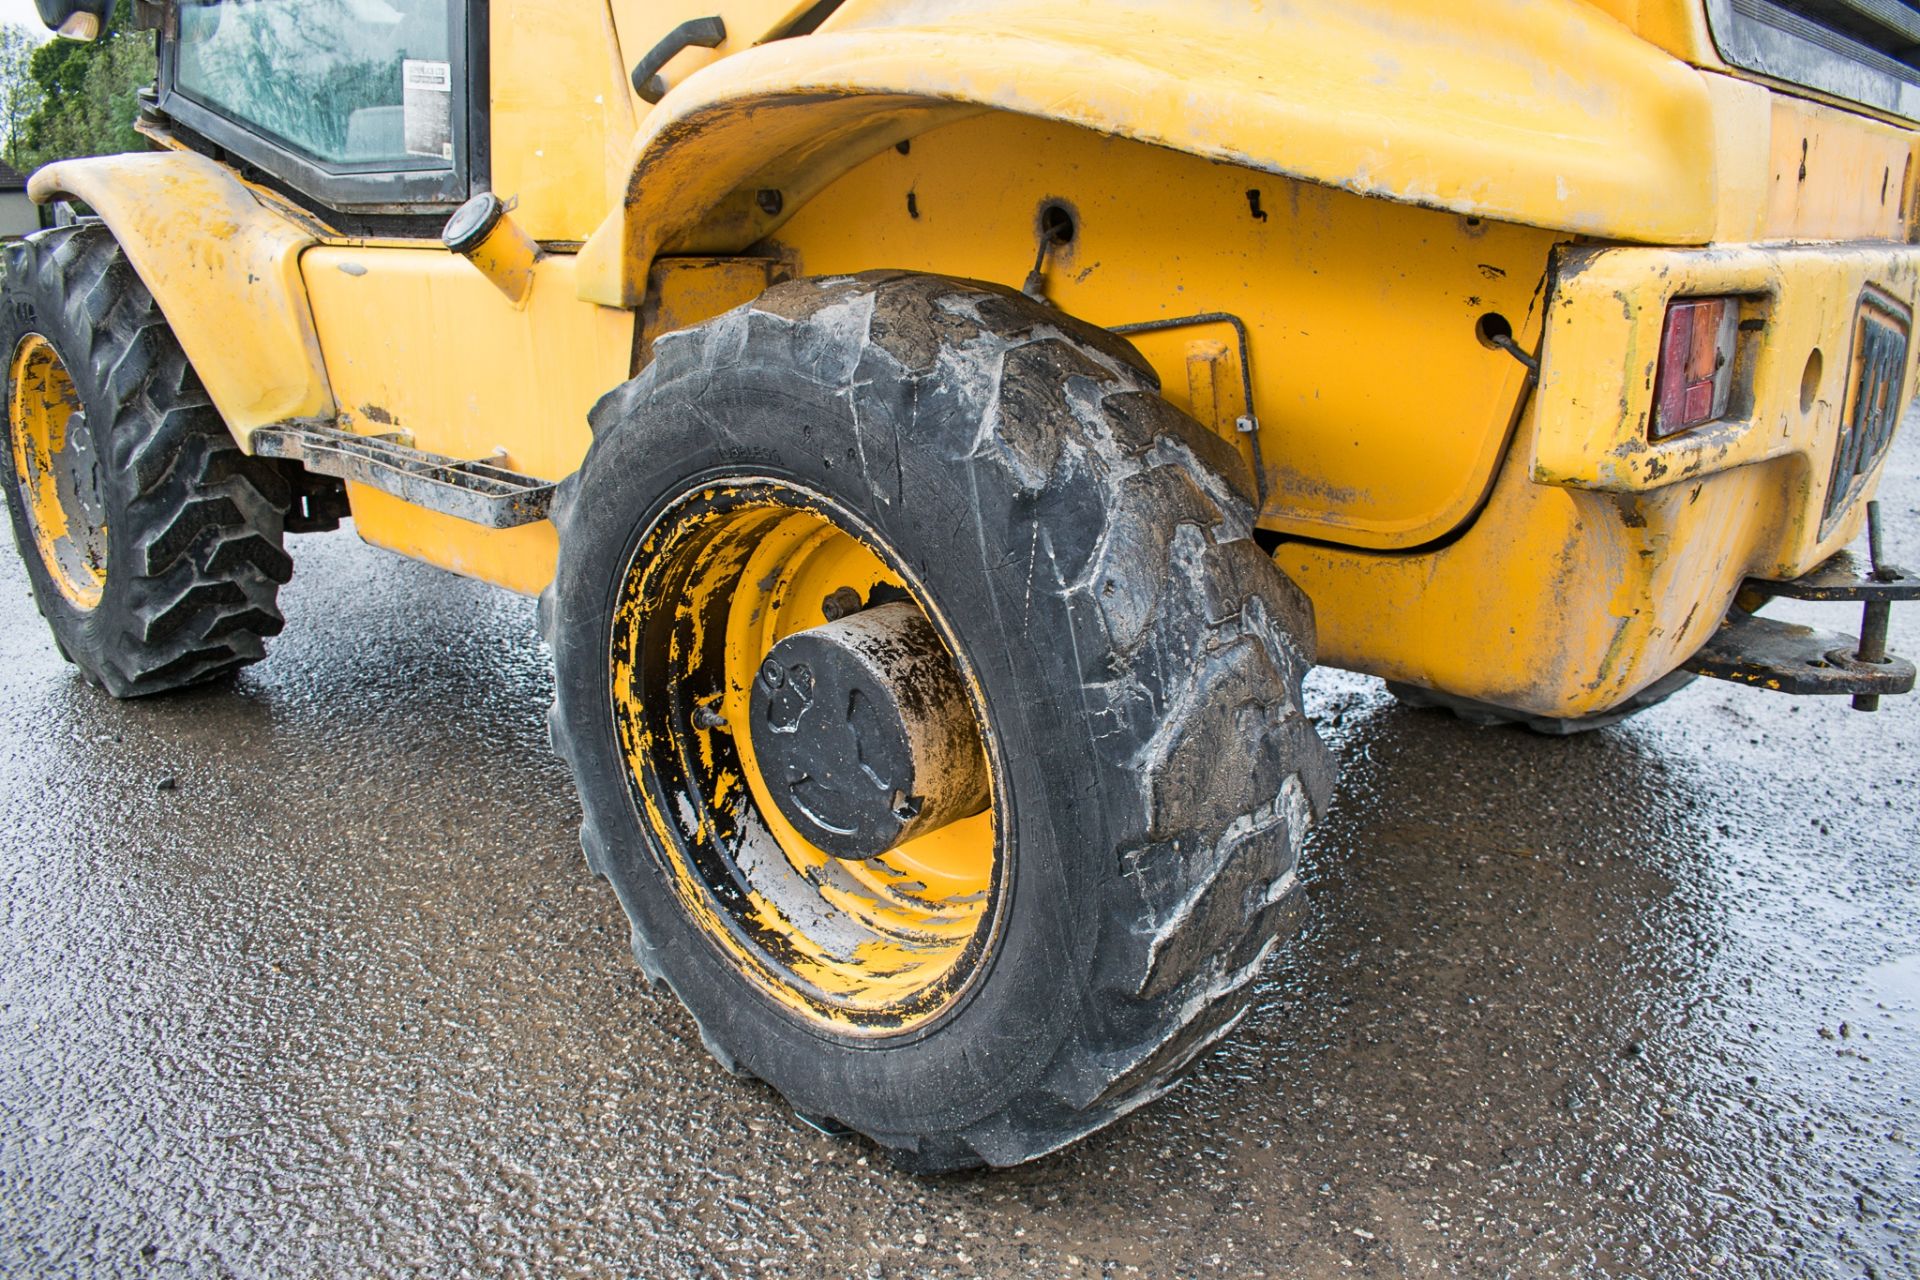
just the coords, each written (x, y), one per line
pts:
(152, 543)
(934, 715)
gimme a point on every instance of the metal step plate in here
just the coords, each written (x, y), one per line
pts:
(475, 491)
(1843, 577)
(1790, 658)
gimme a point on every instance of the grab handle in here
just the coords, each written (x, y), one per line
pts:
(704, 33)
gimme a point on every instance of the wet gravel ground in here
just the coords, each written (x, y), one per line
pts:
(306, 977)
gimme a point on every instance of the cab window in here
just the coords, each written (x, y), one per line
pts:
(364, 107)
(346, 82)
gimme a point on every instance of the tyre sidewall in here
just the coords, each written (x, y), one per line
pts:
(953, 538)
(29, 304)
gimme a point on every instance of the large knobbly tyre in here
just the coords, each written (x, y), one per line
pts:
(955, 462)
(154, 545)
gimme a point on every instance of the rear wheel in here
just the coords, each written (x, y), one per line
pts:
(152, 542)
(934, 715)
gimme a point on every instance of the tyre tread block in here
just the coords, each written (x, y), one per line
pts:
(197, 527)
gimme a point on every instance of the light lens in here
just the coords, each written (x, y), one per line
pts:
(1696, 364)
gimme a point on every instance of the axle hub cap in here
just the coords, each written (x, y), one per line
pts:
(864, 734)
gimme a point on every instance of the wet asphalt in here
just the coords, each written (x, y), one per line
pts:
(305, 976)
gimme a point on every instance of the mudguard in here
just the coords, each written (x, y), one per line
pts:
(225, 269)
(1543, 112)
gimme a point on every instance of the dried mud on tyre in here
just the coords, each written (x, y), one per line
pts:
(1086, 550)
(192, 528)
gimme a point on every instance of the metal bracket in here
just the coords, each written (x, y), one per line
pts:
(1789, 658)
(1877, 587)
(1248, 424)
(478, 492)
(1842, 578)
(1797, 659)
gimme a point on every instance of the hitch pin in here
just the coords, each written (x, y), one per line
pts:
(1875, 615)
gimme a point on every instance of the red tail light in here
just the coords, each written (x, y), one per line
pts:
(1696, 364)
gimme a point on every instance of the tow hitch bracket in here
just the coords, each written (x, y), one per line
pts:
(1792, 658)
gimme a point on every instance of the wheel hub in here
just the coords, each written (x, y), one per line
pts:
(864, 732)
(56, 467)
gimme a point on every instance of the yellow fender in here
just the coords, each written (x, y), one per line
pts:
(1543, 112)
(225, 270)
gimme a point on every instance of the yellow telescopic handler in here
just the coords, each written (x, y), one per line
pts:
(942, 435)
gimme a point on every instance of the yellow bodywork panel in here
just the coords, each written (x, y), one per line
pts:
(564, 112)
(1824, 174)
(225, 270)
(1555, 601)
(1381, 411)
(1608, 561)
(562, 115)
(419, 342)
(1833, 176)
(1423, 101)
(684, 291)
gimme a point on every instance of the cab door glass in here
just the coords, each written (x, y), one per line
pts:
(361, 84)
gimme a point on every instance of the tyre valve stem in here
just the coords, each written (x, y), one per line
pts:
(1874, 615)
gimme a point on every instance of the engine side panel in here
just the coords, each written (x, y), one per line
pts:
(1381, 412)
(419, 343)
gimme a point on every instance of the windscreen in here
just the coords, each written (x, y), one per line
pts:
(1865, 50)
(365, 83)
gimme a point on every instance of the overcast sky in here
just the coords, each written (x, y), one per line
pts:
(21, 13)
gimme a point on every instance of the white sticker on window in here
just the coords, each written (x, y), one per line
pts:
(427, 107)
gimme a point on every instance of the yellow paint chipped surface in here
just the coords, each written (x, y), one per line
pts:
(42, 401)
(880, 945)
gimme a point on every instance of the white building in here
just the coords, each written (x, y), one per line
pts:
(19, 216)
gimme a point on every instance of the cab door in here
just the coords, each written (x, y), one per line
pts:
(382, 117)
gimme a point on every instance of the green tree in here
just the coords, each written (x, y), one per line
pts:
(20, 93)
(87, 95)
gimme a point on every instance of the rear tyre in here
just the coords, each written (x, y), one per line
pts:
(154, 545)
(923, 457)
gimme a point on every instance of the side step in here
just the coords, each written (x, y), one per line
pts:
(475, 491)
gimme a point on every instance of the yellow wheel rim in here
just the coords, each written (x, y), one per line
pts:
(56, 468)
(879, 946)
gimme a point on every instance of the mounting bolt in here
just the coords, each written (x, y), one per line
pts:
(906, 807)
(839, 603)
(1876, 614)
